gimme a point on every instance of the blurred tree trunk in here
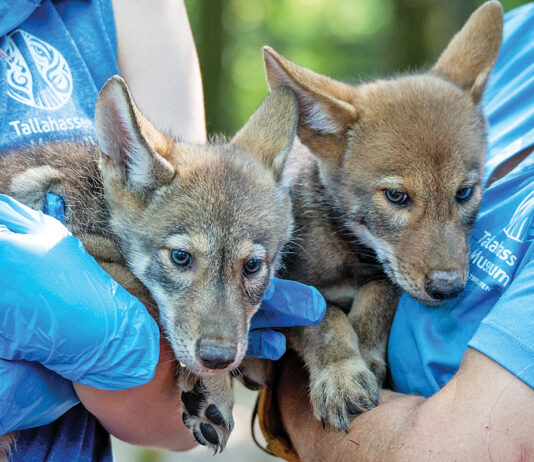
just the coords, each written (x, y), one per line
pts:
(409, 48)
(210, 41)
(422, 29)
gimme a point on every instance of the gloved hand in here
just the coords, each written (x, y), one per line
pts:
(60, 309)
(285, 304)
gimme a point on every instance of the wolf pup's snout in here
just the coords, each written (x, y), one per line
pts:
(441, 285)
(214, 355)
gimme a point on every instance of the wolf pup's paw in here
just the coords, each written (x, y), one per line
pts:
(342, 390)
(374, 358)
(208, 411)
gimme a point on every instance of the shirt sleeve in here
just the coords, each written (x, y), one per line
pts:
(506, 334)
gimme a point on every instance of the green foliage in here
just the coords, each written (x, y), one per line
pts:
(345, 39)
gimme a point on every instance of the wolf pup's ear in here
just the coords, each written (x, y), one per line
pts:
(470, 56)
(325, 108)
(128, 139)
(269, 133)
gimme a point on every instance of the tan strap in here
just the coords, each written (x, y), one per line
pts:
(268, 414)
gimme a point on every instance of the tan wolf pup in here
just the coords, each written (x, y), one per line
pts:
(388, 203)
(197, 229)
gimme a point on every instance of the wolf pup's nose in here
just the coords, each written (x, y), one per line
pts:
(213, 355)
(444, 284)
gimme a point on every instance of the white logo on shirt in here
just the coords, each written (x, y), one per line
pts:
(521, 226)
(37, 73)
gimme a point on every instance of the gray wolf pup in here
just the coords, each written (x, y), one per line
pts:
(387, 204)
(195, 231)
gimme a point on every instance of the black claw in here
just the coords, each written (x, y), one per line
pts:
(353, 409)
(209, 433)
(341, 417)
(213, 414)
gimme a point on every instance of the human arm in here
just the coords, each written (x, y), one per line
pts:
(148, 415)
(483, 413)
(99, 335)
(157, 57)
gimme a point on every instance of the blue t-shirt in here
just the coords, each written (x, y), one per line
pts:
(75, 437)
(51, 69)
(495, 312)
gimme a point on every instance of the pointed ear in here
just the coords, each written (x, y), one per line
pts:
(129, 140)
(325, 106)
(470, 56)
(269, 133)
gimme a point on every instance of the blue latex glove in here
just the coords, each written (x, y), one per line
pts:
(60, 309)
(285, 304)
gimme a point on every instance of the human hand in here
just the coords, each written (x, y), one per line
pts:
(60, 309)
(285, 304)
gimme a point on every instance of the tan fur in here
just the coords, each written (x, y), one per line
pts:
(141, 195)
(422, 135)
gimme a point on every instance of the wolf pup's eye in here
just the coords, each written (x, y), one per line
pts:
(181, 258)
(396, 197)
(252, 266)
(464, 194)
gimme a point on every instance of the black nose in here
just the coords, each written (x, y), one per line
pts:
(213, 355)
(444, 284)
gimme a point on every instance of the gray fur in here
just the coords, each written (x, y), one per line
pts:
(144, 194)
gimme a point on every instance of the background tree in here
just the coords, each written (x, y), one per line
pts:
(345, 39)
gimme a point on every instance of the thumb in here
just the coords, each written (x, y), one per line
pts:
(266, 343)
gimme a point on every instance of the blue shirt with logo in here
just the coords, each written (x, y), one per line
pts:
(51, 68)
(495, 312)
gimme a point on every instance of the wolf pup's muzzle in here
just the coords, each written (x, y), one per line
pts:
(214, 355)
(441, 285)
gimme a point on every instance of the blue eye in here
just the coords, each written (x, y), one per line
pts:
(464, 194)
(396, 197)
(252, 266)
(181, 258)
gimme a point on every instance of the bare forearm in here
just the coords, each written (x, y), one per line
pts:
(158, 59)
(149, 415)
(371, 437)
(483, 413)
(378, 435)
